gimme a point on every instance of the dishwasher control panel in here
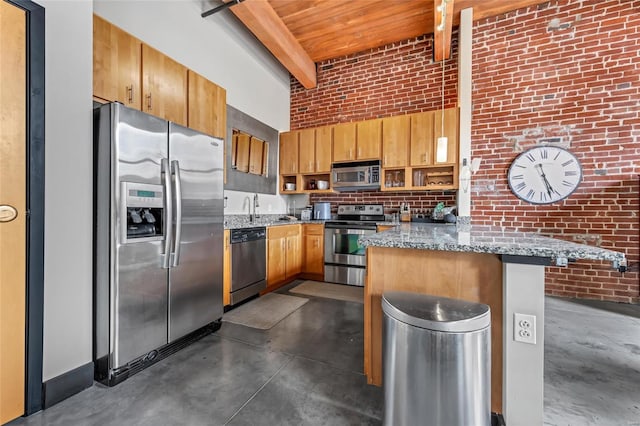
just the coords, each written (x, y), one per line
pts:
(248, 234)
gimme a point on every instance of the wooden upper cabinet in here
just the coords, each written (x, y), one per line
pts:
(396, 132)
(369, 139)
(243, 145)
(255, 155)
(344, 142)
(307, 151)
(116, 64)
(164, 86)
(324, 144)
(289, 153)
(422, 139)
(265, 159)
(207, 106)
(450, 131)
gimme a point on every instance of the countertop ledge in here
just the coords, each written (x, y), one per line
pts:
(242, 221)
(238, 221)
(489, 240)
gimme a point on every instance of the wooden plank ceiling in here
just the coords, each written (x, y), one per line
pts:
(302, 32)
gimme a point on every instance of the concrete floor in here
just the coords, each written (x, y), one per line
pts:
(307, 370)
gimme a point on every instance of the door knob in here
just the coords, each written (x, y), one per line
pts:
(7, 213)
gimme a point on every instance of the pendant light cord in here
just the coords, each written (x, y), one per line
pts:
(444, 12)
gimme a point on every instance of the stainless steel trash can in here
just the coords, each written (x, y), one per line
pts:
(436, 361)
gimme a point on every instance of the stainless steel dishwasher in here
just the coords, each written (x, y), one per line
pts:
(248, 263)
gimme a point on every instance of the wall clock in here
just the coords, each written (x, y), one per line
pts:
(544, 174)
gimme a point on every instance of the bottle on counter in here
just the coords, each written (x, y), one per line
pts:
(405, 213)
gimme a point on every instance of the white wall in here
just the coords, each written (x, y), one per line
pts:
(68, 186)
(238, 202)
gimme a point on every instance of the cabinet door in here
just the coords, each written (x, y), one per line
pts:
(306, 147)
(255, 155)
(324, 143)
(207, 106)
(116, 64)
(294, 255)
(450, 131)
(344, 142)
(164, 84)
(369, 139)
(396, 132)
(289, 153)
(313, 261)
(276, 266)
(243, 145)
(422, 138)
(226, 271)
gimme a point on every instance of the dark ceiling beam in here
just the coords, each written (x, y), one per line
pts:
(260, 18)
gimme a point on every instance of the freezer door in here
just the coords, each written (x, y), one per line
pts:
(195, 279)
(139, 291)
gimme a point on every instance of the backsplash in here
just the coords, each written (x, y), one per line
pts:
(418, 200)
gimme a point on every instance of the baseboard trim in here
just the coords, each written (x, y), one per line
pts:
(67, 384)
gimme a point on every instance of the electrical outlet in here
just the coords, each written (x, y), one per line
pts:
(524, 328)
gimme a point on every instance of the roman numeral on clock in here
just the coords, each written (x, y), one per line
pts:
(530, 194)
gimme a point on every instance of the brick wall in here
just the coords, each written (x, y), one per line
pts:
(565, 71)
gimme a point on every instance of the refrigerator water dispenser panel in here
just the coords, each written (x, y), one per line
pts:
(143, 207)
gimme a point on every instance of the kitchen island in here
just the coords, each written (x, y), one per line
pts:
(503, 269)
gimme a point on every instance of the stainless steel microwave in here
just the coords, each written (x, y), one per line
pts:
(363, 175)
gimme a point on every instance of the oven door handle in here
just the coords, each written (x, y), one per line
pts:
(349, 231)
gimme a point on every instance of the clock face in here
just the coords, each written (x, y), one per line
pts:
(544, 175)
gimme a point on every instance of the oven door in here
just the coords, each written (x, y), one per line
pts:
(341, 244)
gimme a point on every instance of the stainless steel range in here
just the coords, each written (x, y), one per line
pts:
(344, 258)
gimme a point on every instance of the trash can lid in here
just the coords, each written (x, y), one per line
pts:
(435, 312)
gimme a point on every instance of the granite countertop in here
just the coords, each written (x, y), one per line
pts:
(488, 240)
(238, 221)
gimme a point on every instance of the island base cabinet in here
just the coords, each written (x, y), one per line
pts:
(475, 277)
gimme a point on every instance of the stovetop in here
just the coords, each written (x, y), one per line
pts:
(359, 214)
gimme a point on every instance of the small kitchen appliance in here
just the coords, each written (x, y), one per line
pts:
(357, 176)
(322, 211)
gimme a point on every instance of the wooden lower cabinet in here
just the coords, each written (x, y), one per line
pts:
(226, 270)
(313, 251)
(284, 254)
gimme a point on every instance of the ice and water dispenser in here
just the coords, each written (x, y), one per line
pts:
(144, 209)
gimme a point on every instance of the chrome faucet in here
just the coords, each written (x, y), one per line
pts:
(255, 208)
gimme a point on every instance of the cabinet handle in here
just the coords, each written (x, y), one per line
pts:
(130, 93)
(424, 157)
(359, 151)
(384, 160)
(349, 153)
(149, 102)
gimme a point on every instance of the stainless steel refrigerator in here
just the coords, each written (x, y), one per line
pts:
(159, 239)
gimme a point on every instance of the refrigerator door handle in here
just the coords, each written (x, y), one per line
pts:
(175, 256)
(168, 218)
